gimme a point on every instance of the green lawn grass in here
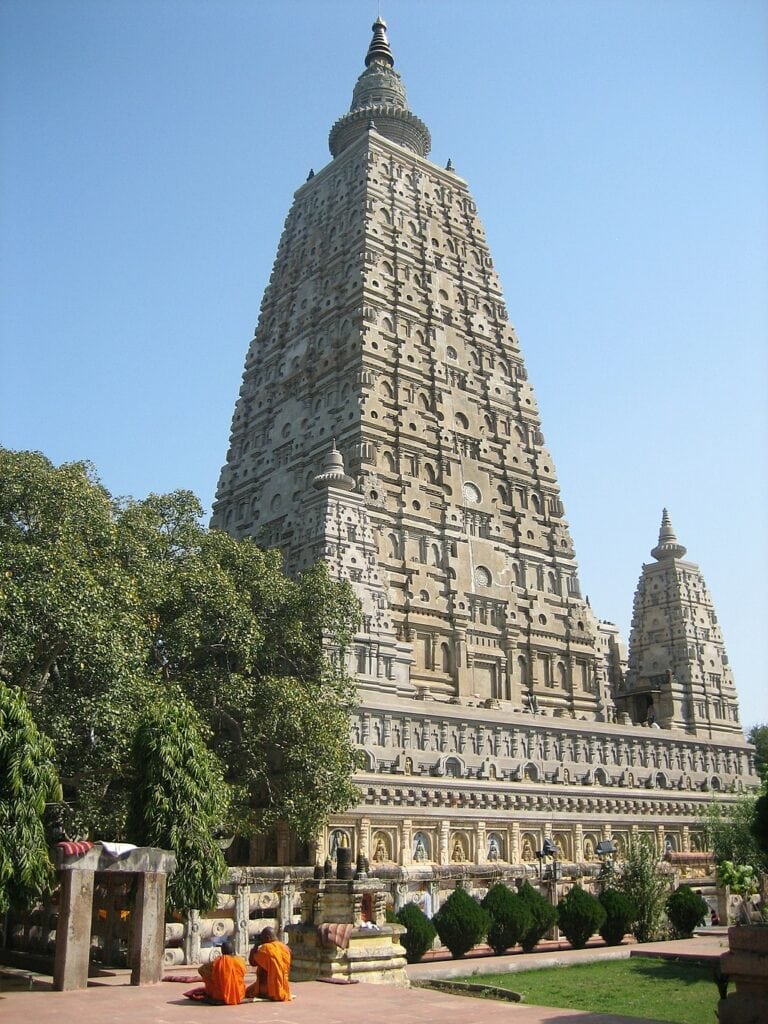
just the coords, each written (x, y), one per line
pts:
(668, 990)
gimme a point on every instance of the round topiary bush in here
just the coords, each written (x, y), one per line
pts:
(543, 916)
(510, 917)
(579, 916)
(620, 914)
(686, 910)
(420, 933)
(461, 922)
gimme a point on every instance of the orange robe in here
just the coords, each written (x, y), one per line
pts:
(224, 980)
(272, 961)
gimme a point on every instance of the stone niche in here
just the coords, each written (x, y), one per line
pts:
(344, 934)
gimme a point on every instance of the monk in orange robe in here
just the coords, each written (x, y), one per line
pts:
(272, 960)
(224, 977)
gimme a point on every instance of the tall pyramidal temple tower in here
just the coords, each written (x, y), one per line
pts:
(678, 676)
(384, 342)
(386, 424)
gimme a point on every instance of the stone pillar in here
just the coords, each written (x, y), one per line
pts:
(578, 843)
(434, 892)
(73, 931)
(444, 856)
(192, 938)
(148, 932)
(400, 895)
(514, 843)
(364, 837)
(406, 843)
(242, 910)
(481, 852)
(685, 842)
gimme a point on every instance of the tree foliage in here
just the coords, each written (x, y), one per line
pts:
(579, 915)
(107, 605)
(729, 831)
(620, 915)
(646, 886)
(758, 735)
(686, 910)
(420, 932)
(511, 917)
(28, 781)
(543, 916)
(461, 922)
(179, 799)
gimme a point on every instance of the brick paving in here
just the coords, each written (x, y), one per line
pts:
(113, 1001)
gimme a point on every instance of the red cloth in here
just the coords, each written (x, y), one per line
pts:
(272, 961)
(335, 935)
(75, 848)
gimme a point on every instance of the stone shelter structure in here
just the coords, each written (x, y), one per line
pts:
(387, 425)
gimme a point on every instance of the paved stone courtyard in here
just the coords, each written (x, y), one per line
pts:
(113, 1001)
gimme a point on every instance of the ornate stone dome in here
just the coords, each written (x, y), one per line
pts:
(379, 102)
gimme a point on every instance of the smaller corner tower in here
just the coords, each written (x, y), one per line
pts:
(678, 675)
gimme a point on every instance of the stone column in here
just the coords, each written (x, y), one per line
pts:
(578, 843)
(481, 852)
(444, 856)
(73, 931)
(148, 932)
(192, 938)
(660, 840)
(434, 892)
(242, 910)
(401, 895)
(364, 837)
(514, 843)
(285, 906)
(406, 843)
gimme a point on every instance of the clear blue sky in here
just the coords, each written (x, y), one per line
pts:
(618, 153)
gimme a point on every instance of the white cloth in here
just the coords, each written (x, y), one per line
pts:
(118, 849)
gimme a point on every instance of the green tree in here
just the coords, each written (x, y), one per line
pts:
(760, 824)
(511, 918)
(579, 915)
(420, 932)
(179, 799)
(543, 916)
(758, 735)
(620, 914)
(28, 782)
(105, 604)
(646, 886)
(686, 910)
(729, 833)
(461, 922)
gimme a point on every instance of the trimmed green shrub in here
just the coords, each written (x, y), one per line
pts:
(686, 910)
(461, 922)
(543, 916)
(420, 932)
(579, 915)
(620, 914)
(510, 917)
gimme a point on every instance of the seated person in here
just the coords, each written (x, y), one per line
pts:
(272, 960)
(224, 977)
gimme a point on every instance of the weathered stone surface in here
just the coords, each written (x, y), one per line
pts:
(386, 425)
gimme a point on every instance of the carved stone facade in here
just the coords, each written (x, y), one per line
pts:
(678, 676)
(387, 425)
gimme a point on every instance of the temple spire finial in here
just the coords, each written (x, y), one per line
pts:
(379, 98)
(668, 546)
(379, 49)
